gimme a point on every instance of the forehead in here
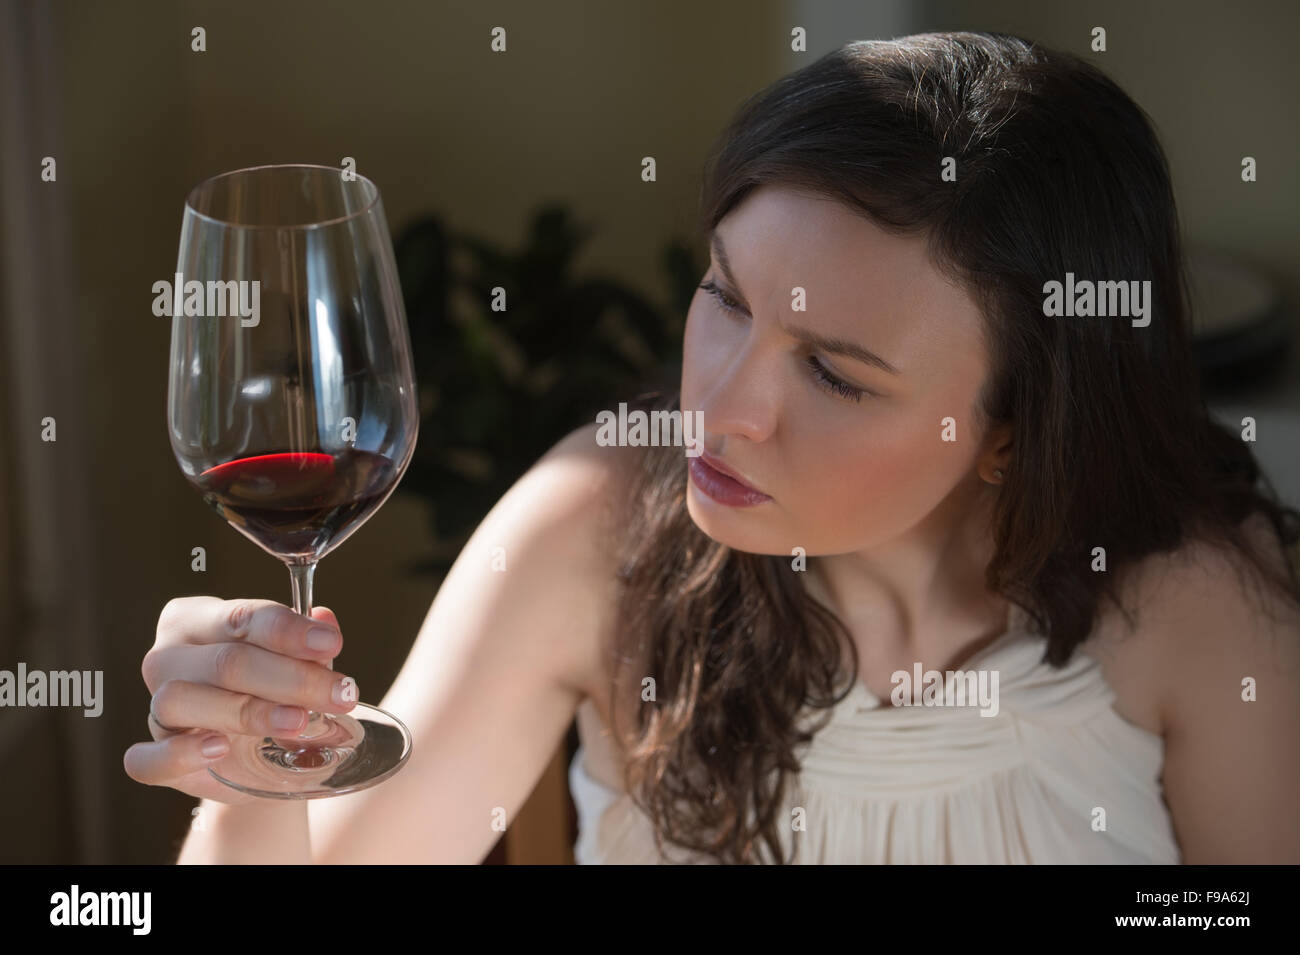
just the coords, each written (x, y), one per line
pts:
(862, 283)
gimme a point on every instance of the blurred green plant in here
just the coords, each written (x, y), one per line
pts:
(498, 388)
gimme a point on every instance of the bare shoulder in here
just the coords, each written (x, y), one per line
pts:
(587, 485)
(1195, 622)
(607, 469)
(1215, 661)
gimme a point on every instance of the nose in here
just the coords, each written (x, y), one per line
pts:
(742, 399)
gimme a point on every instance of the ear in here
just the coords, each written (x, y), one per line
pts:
(995, 453)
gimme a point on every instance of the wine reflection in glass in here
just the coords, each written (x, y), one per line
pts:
(291, 408)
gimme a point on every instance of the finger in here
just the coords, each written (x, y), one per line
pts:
(326, 616)
(160, 763)
(181, 703)
(243, 668)
(204, 620)
(157, 731)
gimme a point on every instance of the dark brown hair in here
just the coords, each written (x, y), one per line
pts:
(1057, 170)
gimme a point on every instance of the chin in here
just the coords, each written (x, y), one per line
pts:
(736, 527)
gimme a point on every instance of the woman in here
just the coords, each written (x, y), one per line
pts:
(909, 464)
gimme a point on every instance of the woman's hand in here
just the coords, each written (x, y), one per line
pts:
(222, 668)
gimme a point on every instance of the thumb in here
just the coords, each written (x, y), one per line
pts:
(327, 615)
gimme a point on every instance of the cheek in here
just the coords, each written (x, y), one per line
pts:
(881, 479)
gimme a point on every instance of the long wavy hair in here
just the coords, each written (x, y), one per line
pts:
(1057, 170)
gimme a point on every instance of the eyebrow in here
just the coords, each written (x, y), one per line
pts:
(834, 346)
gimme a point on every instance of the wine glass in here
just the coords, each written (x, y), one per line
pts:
(291, 407)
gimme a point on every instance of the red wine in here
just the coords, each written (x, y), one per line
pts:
(298, 503)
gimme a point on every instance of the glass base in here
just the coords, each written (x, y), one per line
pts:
(337, 754)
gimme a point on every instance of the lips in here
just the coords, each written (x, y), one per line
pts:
(721, 486)
(728, 471)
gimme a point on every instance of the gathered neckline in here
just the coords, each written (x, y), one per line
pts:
(1014, 635)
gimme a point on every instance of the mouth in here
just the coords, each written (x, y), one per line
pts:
(721, 484)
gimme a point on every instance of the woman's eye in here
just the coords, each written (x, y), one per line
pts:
(833, 384)
(725, 301)
(827, 381)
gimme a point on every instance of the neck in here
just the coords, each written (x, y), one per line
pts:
(929, 580)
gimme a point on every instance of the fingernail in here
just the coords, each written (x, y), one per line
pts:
(319, 639)
(214, 746)
(345, 691)
(286, 717)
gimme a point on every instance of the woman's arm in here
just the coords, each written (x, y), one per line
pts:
(503, 659)
(264, 832)
(1232, 766)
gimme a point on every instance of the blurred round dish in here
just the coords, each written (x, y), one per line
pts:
(1241, 328)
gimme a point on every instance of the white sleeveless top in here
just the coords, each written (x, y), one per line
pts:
(1056, 776)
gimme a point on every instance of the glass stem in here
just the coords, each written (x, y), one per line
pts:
(301, 575)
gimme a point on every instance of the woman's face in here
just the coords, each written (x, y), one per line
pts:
(846, 470)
